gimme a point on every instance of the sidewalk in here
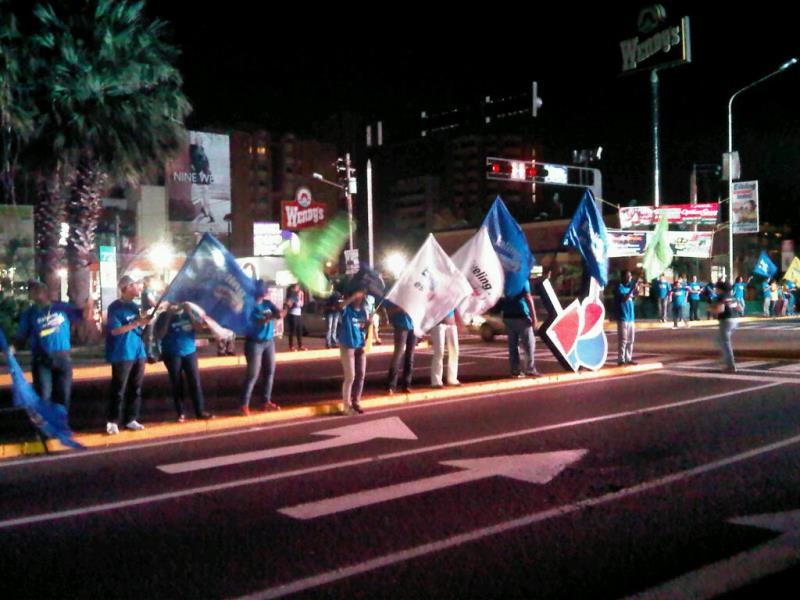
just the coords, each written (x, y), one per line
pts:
(645, 324)
(162, 430)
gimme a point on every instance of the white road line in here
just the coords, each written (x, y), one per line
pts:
(109, 506)
(288, 424)
(730, 376)
(698, 362)
(307, 583)
(793, 368)
(752, 364)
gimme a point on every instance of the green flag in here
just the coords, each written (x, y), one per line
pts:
(658, 254)
(318, 246)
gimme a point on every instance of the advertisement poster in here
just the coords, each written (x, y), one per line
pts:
(745, 207)
(683, 214)
(626, 243)
(302, 212)
(691, 244)
(198, 182)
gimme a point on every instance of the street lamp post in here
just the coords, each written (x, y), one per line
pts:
(780, 69)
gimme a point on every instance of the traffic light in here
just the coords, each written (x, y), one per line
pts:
(505, 169)
(341, 169)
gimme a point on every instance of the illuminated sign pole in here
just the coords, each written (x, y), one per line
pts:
(656, 39)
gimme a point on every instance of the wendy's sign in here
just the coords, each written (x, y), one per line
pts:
(575, 334)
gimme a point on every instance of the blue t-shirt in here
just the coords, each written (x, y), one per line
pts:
(127, 346)
(679, 297)
(352, 327)
(264, 332)
(694, 290)
(46, 329)
(765, 291)
(661, 289)
(738, 290)
(790, 286)
(399, 318)
(179, 339)
(711, 292)
(625, 306)
(516, 307)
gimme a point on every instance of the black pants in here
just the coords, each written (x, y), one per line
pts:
(405, 342)
(693, 306)
(126, 387)
(294, 326)
(52, 377)
(178, 365)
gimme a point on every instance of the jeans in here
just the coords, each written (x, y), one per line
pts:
(678, 314)
(52, 377)
(726, 328)
(260, 357)
(176, 365)
(662, 309)
(294, 326)
(405, 343)
(332, 322)
(520, 330)
(693, 306)
(766, 306)
(626, 331)
(440, 335)
(126, 387)
(354, 365)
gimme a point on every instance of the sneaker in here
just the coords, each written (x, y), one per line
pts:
(270, 406)
(112, 429)
(454, 383)
(134, 426)
(632, 362)
(303, 348)
(349, 411)
(357, 408)
(245, 411)
(518, 376)
(406, 389)
(181, 419)
(533, 373)
(729, 370)
(391, 392)
(205, 416)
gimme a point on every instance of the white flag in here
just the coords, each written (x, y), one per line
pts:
(429, 287)
(479, 263)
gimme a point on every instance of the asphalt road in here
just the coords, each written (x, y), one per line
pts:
(600, 489)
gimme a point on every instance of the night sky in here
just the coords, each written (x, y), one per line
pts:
(290, 66)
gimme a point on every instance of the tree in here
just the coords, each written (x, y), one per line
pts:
(108, 103)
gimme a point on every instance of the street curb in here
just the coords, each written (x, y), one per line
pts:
(103, 372)
(644, 325)
(324, 408)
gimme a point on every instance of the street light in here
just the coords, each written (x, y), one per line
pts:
(395, 262)
(783, 67)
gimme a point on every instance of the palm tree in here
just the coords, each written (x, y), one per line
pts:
(109, 103)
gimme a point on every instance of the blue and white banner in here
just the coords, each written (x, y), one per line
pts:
(764, 266)
(511, 245)
(479, 263)
(212, 279)
(587, 232)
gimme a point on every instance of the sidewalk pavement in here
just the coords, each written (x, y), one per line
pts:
(156, 431)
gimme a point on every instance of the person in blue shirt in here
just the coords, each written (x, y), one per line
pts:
(624, 293)
(175, 328)
(405, 343)
(695, 288)
(711, 295)
(790, 289)
(738, 293)
(125, 351)
(678, 299)
(519, 317)
(660, 290)
(45, 327)
(352, 339)
(766, 295)
(259, 350)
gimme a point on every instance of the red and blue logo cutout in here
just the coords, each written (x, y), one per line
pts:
(575, 334)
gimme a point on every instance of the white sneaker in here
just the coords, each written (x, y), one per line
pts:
(349, 411)
(134, 426)
(112, 429)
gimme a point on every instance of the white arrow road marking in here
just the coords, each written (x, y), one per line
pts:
(533, 468)
(390, 428)
(738, 571)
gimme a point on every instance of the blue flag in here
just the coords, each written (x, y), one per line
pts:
(764, 266)
(212, 279)
(50, 418)
(587, 232)
(511, 246)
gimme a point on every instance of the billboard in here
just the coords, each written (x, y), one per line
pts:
(745, 207)
(270, 240)
(198, 182)
(302, 212)
(683, 214)
(626, 243)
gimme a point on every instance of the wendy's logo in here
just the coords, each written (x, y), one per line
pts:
(575, 334)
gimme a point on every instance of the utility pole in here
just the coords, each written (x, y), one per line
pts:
(348, 196)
